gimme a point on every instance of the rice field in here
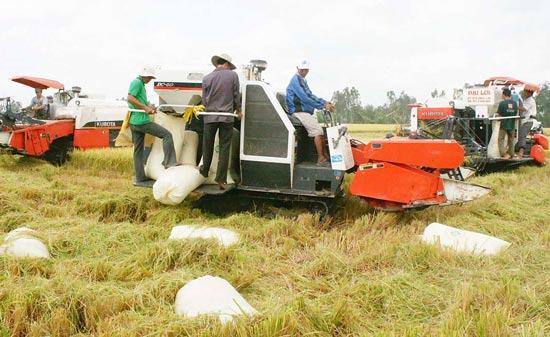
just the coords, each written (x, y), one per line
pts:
(360, 273)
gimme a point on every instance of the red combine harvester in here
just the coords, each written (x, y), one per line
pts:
(75, 121)
(471, 119)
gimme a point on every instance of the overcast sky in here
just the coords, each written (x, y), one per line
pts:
(376, 46)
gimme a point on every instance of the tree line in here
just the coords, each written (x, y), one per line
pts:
(396, 110)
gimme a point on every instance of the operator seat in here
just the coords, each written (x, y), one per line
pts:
(305, 149)
(281, 97)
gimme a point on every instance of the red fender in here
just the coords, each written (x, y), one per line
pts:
(541, 140)
(537, 153)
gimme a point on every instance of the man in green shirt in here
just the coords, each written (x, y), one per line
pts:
(142, 124)
(507, 108)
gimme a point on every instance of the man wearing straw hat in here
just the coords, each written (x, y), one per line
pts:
(220, 93)
(141, 124)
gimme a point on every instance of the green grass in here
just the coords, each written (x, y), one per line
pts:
(365, 273)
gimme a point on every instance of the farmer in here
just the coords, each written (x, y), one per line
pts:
(507, 108)
(528, 112)
(220, 93)
(141, 124)
(301, 103)
(39, 105)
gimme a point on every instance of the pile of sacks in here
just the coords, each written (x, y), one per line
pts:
(174, 184)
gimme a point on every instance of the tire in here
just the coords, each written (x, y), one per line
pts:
(60, 151)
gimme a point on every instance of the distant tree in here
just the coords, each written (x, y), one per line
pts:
(348, 105)
(397, 109)
(349, 108)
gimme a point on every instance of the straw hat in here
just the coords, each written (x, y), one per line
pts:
(223, 56)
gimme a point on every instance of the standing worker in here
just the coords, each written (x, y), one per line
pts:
(528, 112)
(141, 124)
(507, 108)
(39, 105)
(302, 102)
(220, 93)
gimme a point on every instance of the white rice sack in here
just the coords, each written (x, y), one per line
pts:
(463, 241)
(189, 149)
(210, 295)
(224, 236)
(25, 247)
(232, 173)
(176, 183)
(176, 125)
(20, 232)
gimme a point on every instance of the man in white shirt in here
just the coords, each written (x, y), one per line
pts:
(528, 112)
(39, 105)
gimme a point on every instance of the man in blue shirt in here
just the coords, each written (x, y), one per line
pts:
(302, 102)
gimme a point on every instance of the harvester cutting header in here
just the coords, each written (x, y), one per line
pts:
(274, 157)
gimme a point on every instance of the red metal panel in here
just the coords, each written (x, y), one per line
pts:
(541, 140)
(427, 113)
(36, 139)
(432, 153)
(397, 183)
(537, 153)
(91, 138)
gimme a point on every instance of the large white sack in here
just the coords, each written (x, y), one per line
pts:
(25, 247)
(224, 236)
(21, 242)
(462, 240)
(209, 295)
(176, 183)
(176, 126)
(232, 172)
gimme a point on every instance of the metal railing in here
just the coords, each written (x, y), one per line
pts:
(200, 113)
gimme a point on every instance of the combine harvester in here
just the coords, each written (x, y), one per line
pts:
(471, 120)
(75, 121)
(276, 160)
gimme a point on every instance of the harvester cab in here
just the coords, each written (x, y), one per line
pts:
(276, 160)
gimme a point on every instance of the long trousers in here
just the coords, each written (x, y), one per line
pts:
(501, 146)
(138, 137)
(522, 134)
(209, 136)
